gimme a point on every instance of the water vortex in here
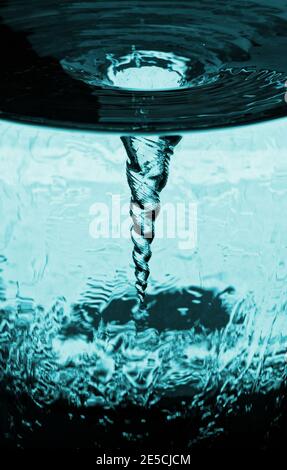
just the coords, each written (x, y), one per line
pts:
(147, 174)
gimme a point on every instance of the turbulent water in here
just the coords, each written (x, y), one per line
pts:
(217, 313)
(213, 313)
(147, 174)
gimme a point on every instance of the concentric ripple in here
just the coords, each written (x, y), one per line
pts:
(139, 70)
(143, 66)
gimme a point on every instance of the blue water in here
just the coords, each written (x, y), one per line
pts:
(217, 317)
(142, 266)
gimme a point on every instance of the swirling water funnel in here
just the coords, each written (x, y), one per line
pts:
(147, 173)
(137, 113)
(148, 158)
